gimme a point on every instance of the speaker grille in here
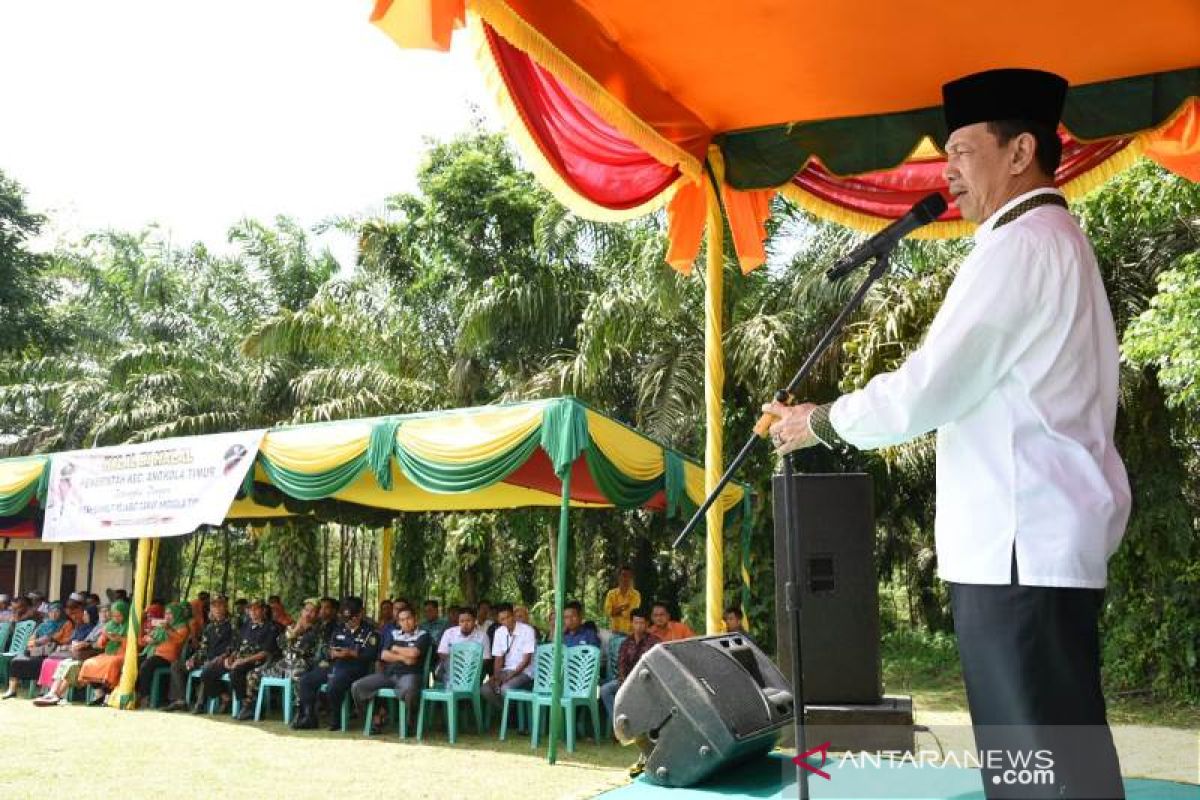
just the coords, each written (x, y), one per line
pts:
(738, 700)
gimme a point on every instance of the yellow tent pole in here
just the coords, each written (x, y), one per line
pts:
(714, 384)
(153, 572)
(386, 542)
(125, 695)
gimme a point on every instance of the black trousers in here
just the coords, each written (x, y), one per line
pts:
(146, 670)
(1031, 664)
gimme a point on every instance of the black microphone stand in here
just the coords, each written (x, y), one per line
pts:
(792, 592)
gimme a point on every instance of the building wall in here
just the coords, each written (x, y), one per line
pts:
(105, 573)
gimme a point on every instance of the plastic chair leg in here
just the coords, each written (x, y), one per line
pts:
(570, 711)
(452, 719)
(402, 718)
(476, 703)
(504, 719)
(367, 714)
(421, 719)
(595, 714)
(287, 703)
(522, 721)
(258, 702)
(536, 711)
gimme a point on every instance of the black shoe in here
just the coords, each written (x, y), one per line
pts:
(335, 725)
(307, 723)
(98, 700)
(247, 713)
(223, 707)
(175, 705)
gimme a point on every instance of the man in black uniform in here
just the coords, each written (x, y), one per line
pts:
(352, 651)
(215, 640)
(253, 646)
(403, 652)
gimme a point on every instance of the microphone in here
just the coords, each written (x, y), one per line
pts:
(923, 213)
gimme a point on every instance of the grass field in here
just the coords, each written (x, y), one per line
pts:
(97, 752)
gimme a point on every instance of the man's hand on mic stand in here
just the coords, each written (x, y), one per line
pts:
(790, 431)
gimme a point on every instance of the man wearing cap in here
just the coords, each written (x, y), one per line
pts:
(1018, 375)
(351, 654)
(255, 647)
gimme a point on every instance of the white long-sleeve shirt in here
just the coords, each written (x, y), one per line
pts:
(1018, 373)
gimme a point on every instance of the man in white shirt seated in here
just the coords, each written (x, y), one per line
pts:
(513, 646)
(1018, 374)
(464, 631)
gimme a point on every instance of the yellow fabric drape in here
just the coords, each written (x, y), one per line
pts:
(628, 452)
(466, 438)
(714, 384)
(316, 448)
(16, 475)
(125, 695)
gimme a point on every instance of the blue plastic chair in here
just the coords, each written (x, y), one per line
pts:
(265, 685)
(234, 708)
(581, 676)
(399, 709)
(543, 678)
(20, 640)
(466, 665)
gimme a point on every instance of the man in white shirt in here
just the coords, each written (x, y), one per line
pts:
(513, 646)
(464, 631)
(1018, 374)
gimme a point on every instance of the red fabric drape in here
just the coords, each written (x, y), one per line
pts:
(586, 152)
(888, 195)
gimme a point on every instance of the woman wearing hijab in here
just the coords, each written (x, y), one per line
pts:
(82, 648)
(161, 647)
(104, 670)
(84, 624)
(55, 632)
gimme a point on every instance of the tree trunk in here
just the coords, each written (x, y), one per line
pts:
(197, 551)
(225, 569)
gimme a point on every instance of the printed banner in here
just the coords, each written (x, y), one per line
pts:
(165, 488)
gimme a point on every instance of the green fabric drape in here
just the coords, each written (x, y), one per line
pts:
(380, 449)
(620, 490)
(564, 433)
(469, 477)
(766, 157)
(676, 490)
(313, 487)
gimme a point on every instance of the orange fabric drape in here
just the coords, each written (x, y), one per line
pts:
(420, 24)
(1177, 145)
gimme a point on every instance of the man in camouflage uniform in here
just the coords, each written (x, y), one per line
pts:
(299, 644)
(351, 654)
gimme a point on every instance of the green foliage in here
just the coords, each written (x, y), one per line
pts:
(1167, 334)
(25, 286)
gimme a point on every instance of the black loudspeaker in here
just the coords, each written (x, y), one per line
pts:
(699, 704)
(833, 533)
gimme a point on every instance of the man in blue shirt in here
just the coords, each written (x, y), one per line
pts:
(403, 648)
(574, 631)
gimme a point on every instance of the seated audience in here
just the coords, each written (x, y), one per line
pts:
(52, 634)
(464, 631)
(633, 648)
(162, 647)
(733, 621)
(387, 614)
(6, 612)
(512, 651)
(665, 628)
(622, 600)
(299, 645)
(351, 654)
(253, 647)
(83, 621)
(104, 670)
(154, 615)
(574, 631)
(402, 650)
(215, 640)
(83, 645)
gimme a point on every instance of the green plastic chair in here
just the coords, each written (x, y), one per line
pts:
(20, 640)
(612, 653)
(543, 677)
(399, 710)
(5, 630)
(466, 665)
(161, 675)
(234, 708)
(581, 676)
(264, 687)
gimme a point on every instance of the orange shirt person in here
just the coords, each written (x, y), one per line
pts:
(665, 628)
